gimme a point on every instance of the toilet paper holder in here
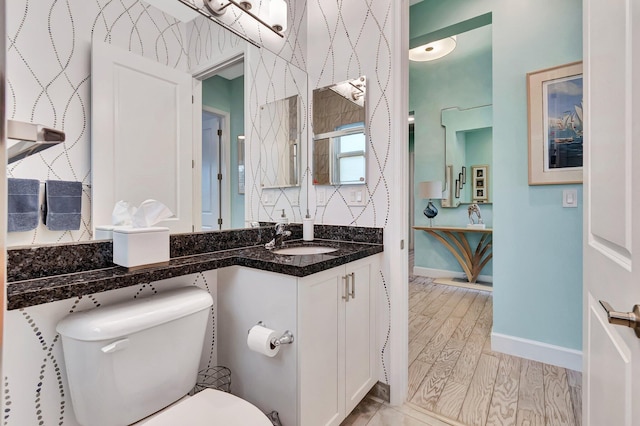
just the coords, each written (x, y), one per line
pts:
(285, 339)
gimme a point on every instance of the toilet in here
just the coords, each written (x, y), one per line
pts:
(130, 362)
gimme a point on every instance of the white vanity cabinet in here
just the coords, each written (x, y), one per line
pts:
(337, 343)
(331, 364)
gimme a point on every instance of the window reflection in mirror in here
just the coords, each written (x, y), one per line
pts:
(339, 124)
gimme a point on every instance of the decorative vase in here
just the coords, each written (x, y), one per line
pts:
(430, 211)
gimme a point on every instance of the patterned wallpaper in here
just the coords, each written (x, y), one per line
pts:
(35, 383)
(48, 69)
(350, 39)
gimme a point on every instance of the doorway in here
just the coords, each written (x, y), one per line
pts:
(219, 167)
(214, 130)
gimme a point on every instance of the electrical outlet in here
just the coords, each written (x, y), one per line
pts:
(321, 197)
(268, 198)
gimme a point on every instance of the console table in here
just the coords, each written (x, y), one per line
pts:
(471, 260)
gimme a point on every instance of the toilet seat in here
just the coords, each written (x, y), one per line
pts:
(210, 408)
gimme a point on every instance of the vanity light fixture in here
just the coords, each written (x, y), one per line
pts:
(272, 13)
(434, 50)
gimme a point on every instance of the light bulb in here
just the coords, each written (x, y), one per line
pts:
(246, 4)
(278, 14)
(216, 7)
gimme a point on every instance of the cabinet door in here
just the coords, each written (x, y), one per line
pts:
(320, 346)
(360, 333)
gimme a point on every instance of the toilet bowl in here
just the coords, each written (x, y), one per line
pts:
(130, 362)
(209, 408)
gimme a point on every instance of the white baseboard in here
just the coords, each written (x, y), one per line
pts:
(443, 273)
(537, 351)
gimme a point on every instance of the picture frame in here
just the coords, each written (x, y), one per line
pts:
(457, 188)
(464, 175)
(480, 183)
(554, 100)
(460, 182)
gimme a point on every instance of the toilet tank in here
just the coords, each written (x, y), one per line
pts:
(129, 360)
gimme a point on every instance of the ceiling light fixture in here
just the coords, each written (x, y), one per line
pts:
(434, 50)
(275, 11)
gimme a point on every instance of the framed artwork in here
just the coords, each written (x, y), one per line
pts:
(555, 125)
(460, 181)
(464, 175)
(457, 188)
(480, 183)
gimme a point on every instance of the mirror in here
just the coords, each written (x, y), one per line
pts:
(200, 49)
(468, 155)
(280, 143)
(340, 138)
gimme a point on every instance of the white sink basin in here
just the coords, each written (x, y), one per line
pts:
(302, 250)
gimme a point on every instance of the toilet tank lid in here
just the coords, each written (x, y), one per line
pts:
(121, 319)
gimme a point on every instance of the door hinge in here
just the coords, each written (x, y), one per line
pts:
(193, 164)
(401, 244)
(193, 100)
(219, 132)
(193, 228)
(219, 176)
(219, 221)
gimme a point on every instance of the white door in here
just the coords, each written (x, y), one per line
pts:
(141, 136)
(611, 382)
(211, 124)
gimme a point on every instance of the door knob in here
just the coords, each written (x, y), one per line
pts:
(628, 319)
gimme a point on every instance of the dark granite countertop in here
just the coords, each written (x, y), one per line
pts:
(36, 291)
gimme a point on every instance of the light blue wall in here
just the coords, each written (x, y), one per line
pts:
(537, 243)
(479, 150)
(228, 96)
(462, 79)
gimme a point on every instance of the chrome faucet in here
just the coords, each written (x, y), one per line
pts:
(278, 240)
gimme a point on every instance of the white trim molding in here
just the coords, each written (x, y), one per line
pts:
(537, 351)
(443, 273)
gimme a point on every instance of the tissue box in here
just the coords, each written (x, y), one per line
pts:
(103, 232)
(135, 247)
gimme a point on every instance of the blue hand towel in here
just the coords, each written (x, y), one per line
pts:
(62, 205)
(23, 204)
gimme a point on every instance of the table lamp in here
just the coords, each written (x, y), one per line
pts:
(431, 190)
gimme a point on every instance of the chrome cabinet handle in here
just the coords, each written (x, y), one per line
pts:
(346, 288)
(353, 285)
(627, 319)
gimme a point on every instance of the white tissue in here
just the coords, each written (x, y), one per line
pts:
(149, 213)
(122, 213)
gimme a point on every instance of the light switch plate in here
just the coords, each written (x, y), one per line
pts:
(321, 197)
(268, 198)
(355, 197)
(570, 198)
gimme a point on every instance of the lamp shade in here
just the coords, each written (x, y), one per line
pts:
(431, 190)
